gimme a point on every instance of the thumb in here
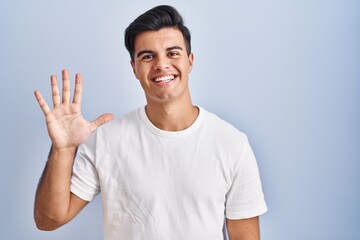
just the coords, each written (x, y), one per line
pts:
(102, 119)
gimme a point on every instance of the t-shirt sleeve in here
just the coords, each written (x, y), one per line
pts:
(84, 179)
(245, 198)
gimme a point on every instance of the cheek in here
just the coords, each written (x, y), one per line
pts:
(138, 72)
(186, 68)
(142, 71)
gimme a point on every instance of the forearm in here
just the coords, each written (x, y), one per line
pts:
(52, 199)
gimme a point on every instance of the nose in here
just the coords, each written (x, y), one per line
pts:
(161, 63)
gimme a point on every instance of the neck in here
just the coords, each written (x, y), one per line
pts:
(172, 116)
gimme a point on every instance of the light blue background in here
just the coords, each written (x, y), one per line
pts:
(285, 72)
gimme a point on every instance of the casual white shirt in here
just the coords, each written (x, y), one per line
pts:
(166, 185)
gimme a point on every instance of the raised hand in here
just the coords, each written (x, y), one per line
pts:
(66, 126)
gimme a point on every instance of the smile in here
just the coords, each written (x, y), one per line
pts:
(164, 79)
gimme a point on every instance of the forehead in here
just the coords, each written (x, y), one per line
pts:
(159, 40)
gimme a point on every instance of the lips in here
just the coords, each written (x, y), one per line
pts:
(163, 79)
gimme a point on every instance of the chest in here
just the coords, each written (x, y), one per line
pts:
(165, 171)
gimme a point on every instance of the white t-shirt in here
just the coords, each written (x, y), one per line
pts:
(165, 185)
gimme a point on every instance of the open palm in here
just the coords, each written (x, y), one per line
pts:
(66, 126)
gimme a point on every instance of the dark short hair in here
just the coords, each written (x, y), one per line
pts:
(155, 19)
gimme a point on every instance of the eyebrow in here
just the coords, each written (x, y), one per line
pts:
(152, 52)
(173, 48)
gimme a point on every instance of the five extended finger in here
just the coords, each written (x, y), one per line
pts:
(55, 91)
(42, 103)
(66, 94)
(78, 89)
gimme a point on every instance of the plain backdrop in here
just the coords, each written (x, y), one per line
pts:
(285, 72)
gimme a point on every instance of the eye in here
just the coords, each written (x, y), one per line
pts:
(147, 57)
(173, 54)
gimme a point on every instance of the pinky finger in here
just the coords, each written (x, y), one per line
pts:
(42, 103)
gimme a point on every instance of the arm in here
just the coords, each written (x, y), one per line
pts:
(55, 205)
(243, 229)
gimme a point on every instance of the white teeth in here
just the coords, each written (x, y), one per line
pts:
(164, 78)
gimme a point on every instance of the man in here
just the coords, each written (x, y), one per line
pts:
(169, 170)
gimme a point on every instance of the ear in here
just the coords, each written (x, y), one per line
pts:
(133, 67)
(191, 60)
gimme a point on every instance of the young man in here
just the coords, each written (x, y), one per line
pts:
(169, 170)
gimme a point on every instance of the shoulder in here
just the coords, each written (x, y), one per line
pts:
(114, 133)
(120, 128)
(228, 142)
(128, 119)
(221, 128)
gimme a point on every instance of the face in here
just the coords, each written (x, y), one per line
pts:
(162, 65)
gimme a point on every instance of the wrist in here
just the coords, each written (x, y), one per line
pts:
(71, 151)
(63, 149)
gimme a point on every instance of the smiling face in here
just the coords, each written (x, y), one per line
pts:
(162, 65)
